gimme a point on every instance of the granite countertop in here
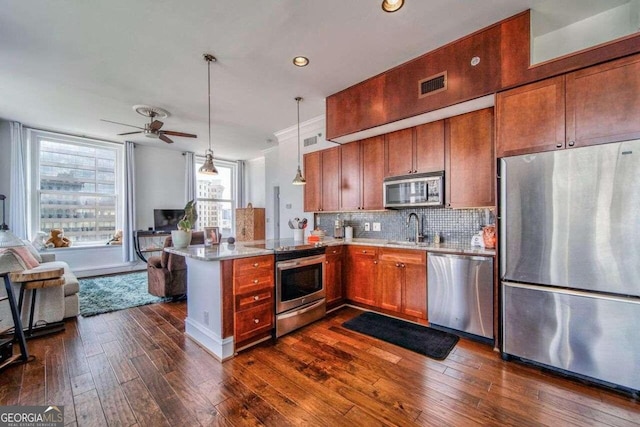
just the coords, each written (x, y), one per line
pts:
(429, 247)
(219, 252)
(247, 249)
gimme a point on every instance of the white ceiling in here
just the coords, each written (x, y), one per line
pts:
(65, 64)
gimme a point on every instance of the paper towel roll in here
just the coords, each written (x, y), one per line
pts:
(348, 232)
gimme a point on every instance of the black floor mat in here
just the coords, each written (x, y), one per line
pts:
(421, 339)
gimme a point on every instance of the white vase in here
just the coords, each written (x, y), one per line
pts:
(181, 239)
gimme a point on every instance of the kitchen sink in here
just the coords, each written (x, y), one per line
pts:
(405, 243)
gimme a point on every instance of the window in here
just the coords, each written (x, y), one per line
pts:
(75, 187)
(217, 196)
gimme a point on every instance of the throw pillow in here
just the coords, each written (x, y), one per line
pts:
(16, 259)
(33, 251)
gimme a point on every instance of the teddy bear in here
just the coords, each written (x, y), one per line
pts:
(57, 239)
(116, 239)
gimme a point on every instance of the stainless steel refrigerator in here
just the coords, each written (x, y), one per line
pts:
(570, 261)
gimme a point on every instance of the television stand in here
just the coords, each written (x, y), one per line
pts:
(145, 242)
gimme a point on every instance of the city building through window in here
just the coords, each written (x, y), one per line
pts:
(217, 197)
(76, 187)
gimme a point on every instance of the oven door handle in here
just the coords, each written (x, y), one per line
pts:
(285, 265)
(303, 310)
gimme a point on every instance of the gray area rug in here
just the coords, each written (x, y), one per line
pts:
(111, 293)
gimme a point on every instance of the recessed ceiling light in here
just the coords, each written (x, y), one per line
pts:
(300, 61)
(392, 5)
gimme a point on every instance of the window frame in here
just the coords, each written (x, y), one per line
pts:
(235, 184)
(34, 138)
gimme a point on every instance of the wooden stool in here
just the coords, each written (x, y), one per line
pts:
(34, 280)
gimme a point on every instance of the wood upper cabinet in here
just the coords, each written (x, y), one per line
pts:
(322, 172)
(470, 164)
(402, 283)
(313, 187)
(429, 147)
(399, 149)
(361, 174)
(595, 105)
(603, 103)
(356, 108)
(333, 275)
(361, 277)
(531, 118)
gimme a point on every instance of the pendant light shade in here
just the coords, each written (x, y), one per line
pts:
(208, 167)
(392, 5)
(299, 179)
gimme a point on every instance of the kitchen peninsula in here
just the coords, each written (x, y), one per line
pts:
(231, 287)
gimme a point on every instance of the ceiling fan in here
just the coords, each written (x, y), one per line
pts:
(153, 128)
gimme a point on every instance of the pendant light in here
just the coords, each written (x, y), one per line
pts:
(392, 5)
(299, 179)
(208, 167)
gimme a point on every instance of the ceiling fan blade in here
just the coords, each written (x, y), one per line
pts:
(124, 124)
(174, 133)
(129, 133)
(155, 125)
(165, 139)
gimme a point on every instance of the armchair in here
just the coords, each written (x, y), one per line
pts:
(167, 273)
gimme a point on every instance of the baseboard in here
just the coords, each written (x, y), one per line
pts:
(109, 269)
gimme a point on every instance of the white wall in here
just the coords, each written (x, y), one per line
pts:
(255, 189)
(281, 163)
(160, 182)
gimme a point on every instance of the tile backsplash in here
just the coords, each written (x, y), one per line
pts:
(453, 225)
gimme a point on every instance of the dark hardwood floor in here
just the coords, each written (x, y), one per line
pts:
(136, 367)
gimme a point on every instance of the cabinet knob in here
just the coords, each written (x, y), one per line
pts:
(375, 262)
(255, 281)
(559, 145)
(402, 265)
(255, 264)
(326, 262)
(397, 264)
(256, 320)
(256, 297)
(572, 143)
(409, 171)
(415, 171)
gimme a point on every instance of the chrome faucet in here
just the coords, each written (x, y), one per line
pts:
(418, 238)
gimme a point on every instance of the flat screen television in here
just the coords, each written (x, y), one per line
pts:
(166, 219)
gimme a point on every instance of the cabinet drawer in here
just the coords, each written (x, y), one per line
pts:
(253, 322)
(245, 266)
(334, 250)
(252, 299)
(404, 256)
(260, 279)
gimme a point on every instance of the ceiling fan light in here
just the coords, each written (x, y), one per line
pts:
(299, 179)
(208, 168)
(392, 5)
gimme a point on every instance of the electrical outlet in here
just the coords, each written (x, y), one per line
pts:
(367, 226)
(206, 318)
(376, 226)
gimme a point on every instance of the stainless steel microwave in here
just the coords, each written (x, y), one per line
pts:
(425, 189)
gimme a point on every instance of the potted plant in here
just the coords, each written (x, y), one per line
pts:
(182, 236)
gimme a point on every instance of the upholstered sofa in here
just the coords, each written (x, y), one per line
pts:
(52, 304)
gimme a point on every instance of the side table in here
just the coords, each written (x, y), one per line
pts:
(34, 280)
(18, 334)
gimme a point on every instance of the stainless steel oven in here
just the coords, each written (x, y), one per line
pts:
(300, 290)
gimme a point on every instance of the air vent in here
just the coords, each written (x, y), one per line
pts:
(433, 84)
(310, 141)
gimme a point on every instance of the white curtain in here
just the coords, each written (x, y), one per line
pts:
(129, 221)
(189, 176)
(18, 183)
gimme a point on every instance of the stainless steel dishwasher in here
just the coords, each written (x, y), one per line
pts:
(460, 293)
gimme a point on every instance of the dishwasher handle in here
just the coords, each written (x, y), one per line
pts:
(467, 257)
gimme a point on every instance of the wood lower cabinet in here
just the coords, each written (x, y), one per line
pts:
(402, 281)
(253, 288)
(470, 165)
(333, 276)
(361, 275)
